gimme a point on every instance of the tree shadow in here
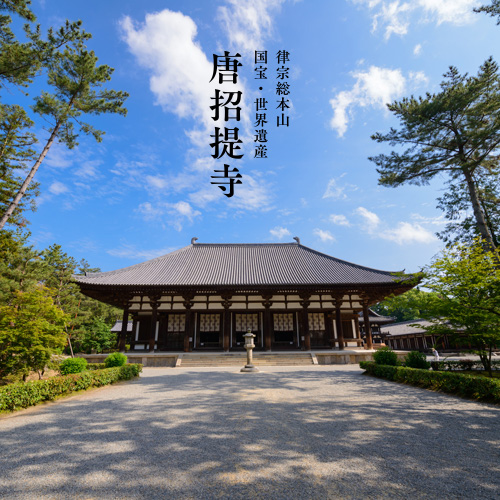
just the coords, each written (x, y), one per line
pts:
(302, 433)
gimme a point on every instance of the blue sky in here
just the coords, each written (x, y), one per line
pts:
(145, 190)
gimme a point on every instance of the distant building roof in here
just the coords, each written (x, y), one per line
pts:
(376, 318)
(117, 327)
(406, 328)
(243, 265)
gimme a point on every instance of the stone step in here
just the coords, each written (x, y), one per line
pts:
(193, 360)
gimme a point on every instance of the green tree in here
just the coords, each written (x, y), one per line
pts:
(456, 204)
(31, 330)
(95, 335)
(413, 304)
(456, 132)
(21, 265)
(77, 81)
(15, 153)
(21, 61)
(492, 9)
(467, 280)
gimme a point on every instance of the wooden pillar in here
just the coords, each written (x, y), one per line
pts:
(304, 323)
(154, 318)
(189, 326)
(134, 328)
(338, 321)
(329, 330)
(267, 326)
(226, 332)
(358, 331)
(368, 330)
(123, 332)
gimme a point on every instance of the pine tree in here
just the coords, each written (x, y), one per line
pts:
(455, 132)
(76, 80)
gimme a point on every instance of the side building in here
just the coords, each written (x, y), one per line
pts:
(207, 296)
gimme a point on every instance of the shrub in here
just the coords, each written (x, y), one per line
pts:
(385, 356)
(416, 359)
(96, 366)
(73, 365)
(115, 359)
(15, 396)
(462, 365)
(480, 388)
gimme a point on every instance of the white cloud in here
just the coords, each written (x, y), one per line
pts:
(323, 235)
(185, 209)
(132, 252)
(174, 214)
(408, 233)
(417, 50)
(166, 45)
(370, 217)
(333, 190)
(156, 181)
(280, 232)
(339, 220)
(248, 23)
(58, 188)
(394, 17)
(89, 169)
(435, 221)
(374, 88)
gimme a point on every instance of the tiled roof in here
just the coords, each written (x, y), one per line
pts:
(374, 317)
(242, 264)
(406, 328)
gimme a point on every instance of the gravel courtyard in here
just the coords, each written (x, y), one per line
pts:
(285, 433)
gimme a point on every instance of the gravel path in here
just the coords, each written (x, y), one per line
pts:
(285, 433)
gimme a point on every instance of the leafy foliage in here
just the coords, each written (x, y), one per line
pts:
(75, 81)
(416, 359)
(413, 304)
(115, 359)
(31, 330)
(73, 365)
(492, 9)
(94, 335)
(456, 131)
(468, 386)
(467, 280)
(385, 356)
(15, 396)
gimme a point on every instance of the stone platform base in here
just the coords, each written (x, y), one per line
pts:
(193, 359)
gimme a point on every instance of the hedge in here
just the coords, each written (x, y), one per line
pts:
(96, 366)
(463, 365)
(22, 395)
(468, 386)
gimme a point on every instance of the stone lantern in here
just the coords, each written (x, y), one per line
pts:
(249, 345)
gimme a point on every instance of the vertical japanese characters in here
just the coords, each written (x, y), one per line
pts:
(226, 108)
(260, 137)
(283, 88)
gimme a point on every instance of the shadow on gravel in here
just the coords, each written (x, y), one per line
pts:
(296, 434)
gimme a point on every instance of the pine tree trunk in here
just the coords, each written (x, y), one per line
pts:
(478, 212)
(20, 194)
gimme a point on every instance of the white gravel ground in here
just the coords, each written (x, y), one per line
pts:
(284, 433)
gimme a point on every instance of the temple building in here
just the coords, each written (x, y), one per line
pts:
(207, 296)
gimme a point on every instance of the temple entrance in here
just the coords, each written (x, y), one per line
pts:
(171, 336)
(284, 331)
(209, 331)
(242, 322)
(317, 330)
